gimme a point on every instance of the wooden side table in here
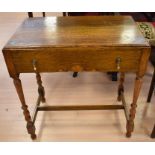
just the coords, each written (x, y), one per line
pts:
(56, 44)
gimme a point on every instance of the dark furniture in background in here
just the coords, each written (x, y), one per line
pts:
(152, 86)
(140, 16)
(30, 14)
(89, 13)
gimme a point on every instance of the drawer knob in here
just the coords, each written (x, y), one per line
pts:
(118, 63)
(34, 63)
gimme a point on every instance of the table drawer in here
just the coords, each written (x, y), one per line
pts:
(75, 59)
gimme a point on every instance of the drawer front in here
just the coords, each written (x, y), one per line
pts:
(75, 59)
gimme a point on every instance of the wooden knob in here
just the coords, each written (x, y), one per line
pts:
(118, 63)
(34, 62)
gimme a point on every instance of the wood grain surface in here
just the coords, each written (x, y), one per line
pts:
(77, 31)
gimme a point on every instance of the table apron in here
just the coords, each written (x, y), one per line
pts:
(56, 60)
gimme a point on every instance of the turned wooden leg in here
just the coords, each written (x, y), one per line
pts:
(153, 133)
(30, 125)
(41, 90)
(121, 87)
(130, 122)
(151, 87)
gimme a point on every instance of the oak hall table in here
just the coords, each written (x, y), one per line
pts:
(56, 44)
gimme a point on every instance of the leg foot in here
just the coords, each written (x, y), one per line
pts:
(130, 127)
(31, 130)
(33, 137)
(128, 135)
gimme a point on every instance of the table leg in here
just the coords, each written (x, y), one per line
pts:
(30, 125)
(153, 133)
(121, 87)
(151, 88)
(41, 90)
(130, 122)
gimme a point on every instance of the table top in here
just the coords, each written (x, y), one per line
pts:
(77, 31)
